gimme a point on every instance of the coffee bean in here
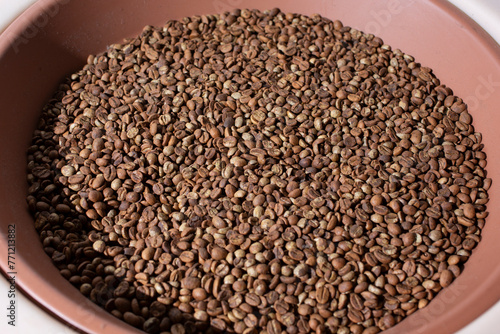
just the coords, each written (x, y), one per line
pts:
(187, 256)
(322, 295)
(67, 170)
(148, 253)
(245, 171)
(356, 302)
(122, 305)
(218, 253)
(469, 211)
(345, 287)
(178, 329)
(229, 141)
(301, 270)
(273, 327)
(387, 322)
(355, 316)
(252, 299)
(446, 278)
(191, 283)
(99, 246)
(304, 309)
(152, 325)
(199, 294)
(132, 319)
(98, 144)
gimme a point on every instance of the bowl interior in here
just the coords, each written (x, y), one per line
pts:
(53, 38)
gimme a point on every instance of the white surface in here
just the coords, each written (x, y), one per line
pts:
(30, 319)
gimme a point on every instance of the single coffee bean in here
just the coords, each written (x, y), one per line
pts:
(132, 319)
(218, 253)
(446, 278)
(469, 211)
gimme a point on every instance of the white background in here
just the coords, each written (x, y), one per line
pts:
(31, 320)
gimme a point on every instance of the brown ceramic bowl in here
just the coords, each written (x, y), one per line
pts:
(53, 38)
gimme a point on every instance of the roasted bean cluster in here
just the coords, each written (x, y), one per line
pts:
(257, 172)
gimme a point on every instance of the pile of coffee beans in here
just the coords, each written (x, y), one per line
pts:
(257, 172)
